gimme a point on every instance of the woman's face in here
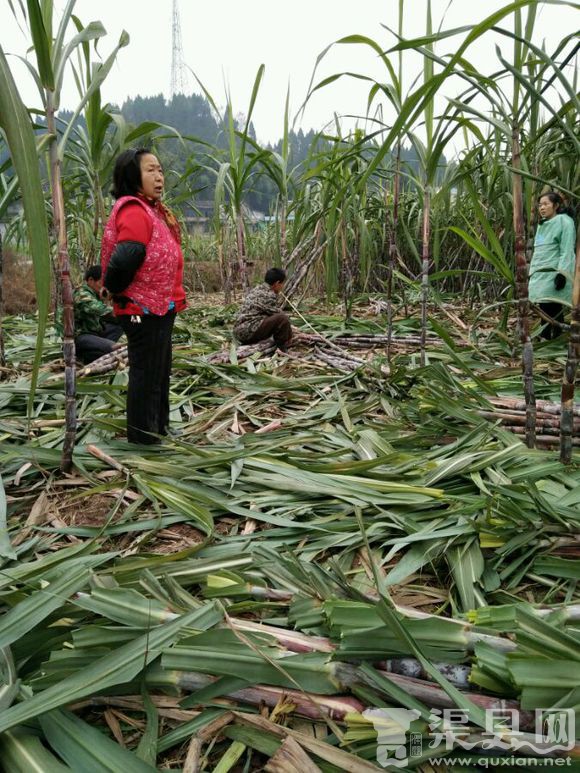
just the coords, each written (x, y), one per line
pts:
(151, 176)
(546, 208)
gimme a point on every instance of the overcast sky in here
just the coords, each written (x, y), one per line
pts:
(225, 41)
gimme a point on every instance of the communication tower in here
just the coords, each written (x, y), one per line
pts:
(179, 79)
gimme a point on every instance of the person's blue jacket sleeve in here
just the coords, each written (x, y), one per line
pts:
(567, 247)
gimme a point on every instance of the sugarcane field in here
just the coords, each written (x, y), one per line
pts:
(289, 345)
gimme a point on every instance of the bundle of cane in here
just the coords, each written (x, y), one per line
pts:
(345, 362)
(542, 406)
(263, 348)
(118, 358)
(370, 340)
(511, 412)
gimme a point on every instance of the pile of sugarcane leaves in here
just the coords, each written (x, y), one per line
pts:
(316, 541)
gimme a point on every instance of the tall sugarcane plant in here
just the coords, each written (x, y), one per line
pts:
(17, 127)
(2, 350)
(520, 55)
(571, 367)
(513, 115)
(522, 291)
(392, 251)
(52, 53)
(243, 159)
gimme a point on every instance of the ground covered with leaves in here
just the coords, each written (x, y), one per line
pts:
(317, 539)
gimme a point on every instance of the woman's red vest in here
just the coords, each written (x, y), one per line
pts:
(155, 284)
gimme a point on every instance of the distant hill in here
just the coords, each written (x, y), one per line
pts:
(193, 117)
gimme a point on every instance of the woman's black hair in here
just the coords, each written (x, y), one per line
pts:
(558, 201)
(127, 172)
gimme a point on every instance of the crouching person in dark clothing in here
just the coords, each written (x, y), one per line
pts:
(96, 328)
(260, 315)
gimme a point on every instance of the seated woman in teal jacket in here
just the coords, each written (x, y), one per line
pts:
(552, 266)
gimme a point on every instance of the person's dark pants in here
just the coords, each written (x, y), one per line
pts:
(149, 348)
(277, 326)
(556, 312)
(90, 346)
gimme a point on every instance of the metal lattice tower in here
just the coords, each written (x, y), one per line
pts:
(178, 74)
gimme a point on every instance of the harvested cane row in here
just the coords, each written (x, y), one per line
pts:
(512, 415)
(305, 551)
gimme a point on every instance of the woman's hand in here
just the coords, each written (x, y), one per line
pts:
(559, 281)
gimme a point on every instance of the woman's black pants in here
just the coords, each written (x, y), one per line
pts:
(149, 348)
(556, 312)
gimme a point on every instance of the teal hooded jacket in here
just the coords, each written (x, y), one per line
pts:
(553, 254)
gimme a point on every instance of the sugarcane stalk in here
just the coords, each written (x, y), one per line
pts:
(165, 705)
(429, 693)
(522, 290)
(299, 249)
(425, 269)
(283, 234)
(59, 226)
(241, 245)
(369, 341)
(303, 267)
(300, 642)
(548, 436)
(567, 394)
(108, 460)
(294, 641)
(262, 347)
(107, 362)
(347, 279)
(519, 420)
(545, 406)
(308, 705)
(225, 274)
(192, 762)
(2, 350)
(290, 756)
(393, 249)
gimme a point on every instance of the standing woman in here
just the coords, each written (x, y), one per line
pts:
(143, 270)
(552, 266)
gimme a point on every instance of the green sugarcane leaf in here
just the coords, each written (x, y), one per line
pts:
(97, 79)
(6, 549)
(554, 566)
(92, 31)
(126, 606)
(120, 666)
(177, 501)
(493, 258)
(184, 731)
(230, 757)
(33, 570)
(52, 595)
(222, 686)
(42, 40)
(415, 558)
(260, 665)
(8, 693)
(540, 637)
(467, 565)
(539, 672)
(24, 753)
(85, 748)
(147, 749)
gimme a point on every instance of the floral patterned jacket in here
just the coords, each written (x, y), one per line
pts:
(259, 303)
